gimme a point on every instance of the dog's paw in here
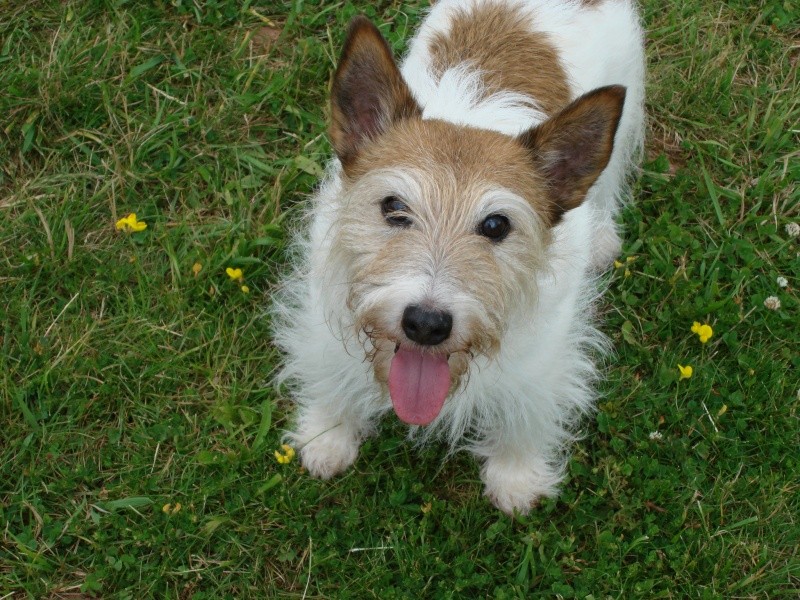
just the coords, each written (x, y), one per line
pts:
(607, 246)
(329, 453)
(517, 487)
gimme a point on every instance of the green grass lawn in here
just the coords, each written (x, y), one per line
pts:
(134, 373)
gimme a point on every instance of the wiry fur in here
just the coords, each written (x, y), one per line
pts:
(523, 336)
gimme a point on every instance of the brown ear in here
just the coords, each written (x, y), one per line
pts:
(572, 148)
(368, 92)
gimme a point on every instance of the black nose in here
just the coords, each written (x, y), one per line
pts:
(425, 326)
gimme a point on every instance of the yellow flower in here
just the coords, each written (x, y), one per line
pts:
(235, 274)
(704, 332)
(196, 268)
(286, 456)
(245, 289)
(618, 264)
(686, 372)
(171, 509)
(131, 223)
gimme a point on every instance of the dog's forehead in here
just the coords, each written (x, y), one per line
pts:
(454, 156)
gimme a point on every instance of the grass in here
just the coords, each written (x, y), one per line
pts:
(128, 381)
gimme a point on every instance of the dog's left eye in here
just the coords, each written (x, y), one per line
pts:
(395, 211)
(495, 227)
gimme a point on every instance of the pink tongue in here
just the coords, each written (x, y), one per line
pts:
(418, 385)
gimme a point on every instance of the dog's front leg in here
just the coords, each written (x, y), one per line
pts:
(517, 475)
(327, 438)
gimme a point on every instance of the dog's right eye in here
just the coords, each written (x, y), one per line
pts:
(395, 211)
(495, 227)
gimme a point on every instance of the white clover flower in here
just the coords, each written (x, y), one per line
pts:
(782, 282)
(655, 435)
(793, 229)
(772, 303)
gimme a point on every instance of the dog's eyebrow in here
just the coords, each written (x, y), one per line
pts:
(383, 182)
(503, 199)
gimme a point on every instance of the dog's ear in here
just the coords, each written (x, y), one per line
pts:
(368, 92)
(572, 148)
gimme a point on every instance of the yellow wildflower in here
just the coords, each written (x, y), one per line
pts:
(131, 223)
(286, 456)
(235, 274)
(619, 264)
(704, 332)
(196, 268)
(686, 372)
(245, 289)
(171, 509)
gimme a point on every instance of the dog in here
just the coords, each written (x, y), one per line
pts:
(449, 262)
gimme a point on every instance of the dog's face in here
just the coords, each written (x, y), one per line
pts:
(441, 240)
(442, 228)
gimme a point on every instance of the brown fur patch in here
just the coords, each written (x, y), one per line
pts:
(471, 156)
(496, 38)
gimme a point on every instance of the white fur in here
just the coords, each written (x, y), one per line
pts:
(517, 412)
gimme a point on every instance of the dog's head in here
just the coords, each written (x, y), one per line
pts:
(442, 228)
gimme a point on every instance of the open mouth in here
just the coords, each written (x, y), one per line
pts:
(418, 384)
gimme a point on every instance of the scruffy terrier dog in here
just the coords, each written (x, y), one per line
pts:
(450, 262)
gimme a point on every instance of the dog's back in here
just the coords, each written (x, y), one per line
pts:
(528, 57)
